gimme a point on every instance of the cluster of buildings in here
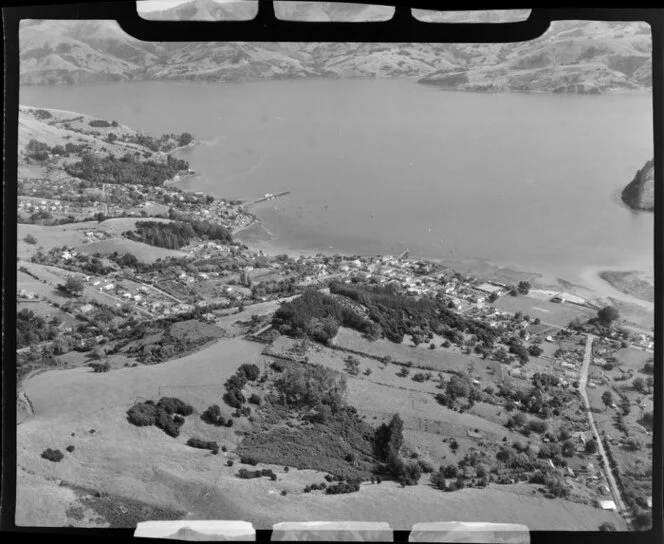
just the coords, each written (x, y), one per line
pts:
(30, 205)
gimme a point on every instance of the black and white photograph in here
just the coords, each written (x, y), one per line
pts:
(294, 281)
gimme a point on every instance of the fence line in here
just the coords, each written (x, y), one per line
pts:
(423, 424)
(163, 388)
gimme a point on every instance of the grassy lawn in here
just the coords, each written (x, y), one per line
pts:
(550, 312)
(47, 312)
(143, 252)
(439, 359)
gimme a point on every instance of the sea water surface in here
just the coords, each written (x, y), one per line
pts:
(377, 166)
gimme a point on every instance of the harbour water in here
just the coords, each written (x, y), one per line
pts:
(378, 166)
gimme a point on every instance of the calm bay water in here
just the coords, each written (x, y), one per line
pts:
(377, 166)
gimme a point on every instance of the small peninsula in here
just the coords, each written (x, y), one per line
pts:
(640, 193)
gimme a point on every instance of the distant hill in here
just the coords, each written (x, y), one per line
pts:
(640, 193)
(573, 56)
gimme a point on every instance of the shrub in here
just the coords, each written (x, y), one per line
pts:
(234, 398)
(53, 455)
(70, 449)
(535, 351)
(451, 471)
(167, 414)
(284, 492)
(30, 239)
(427, 468)
(229, 463)
(142, 414)
(203, 444)
(249, 474)
(438, 480)
(278, 366)
(343, 487)
(286, 469)
(172, 405)
(213, 416)
(250, 371)
(248, 460)
(273, 477)
(178, 420)
(99, 123)
(255, 399)
(407, 473)
(224, 448)
(538, 426)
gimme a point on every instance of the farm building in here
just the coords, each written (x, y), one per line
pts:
(607, 505)
(567, 297)
(489, 288)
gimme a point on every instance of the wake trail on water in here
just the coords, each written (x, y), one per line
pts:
(210, 143)
(252, 170)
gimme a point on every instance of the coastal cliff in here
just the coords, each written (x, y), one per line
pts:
(640, 193)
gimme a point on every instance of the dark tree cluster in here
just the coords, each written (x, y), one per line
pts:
(167, 414)
(249, 474)
(53, 455)
(178, 234)
(37, 150)
(398, 315)
(42, 114)
(317, 316)
(32, 329)
(125, 170)
(311, 386)
(102, 123)
(213, 416)
(203, 444)
(313, 487)
(234, 385)
(352, 486)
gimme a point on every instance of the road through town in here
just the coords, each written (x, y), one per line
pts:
(615, 491)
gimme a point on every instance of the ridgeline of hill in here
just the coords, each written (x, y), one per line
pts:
(572, 56)
(640, 192)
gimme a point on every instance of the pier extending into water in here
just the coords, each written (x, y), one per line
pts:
(267, 197)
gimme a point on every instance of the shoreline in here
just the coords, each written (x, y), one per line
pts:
(594, 288)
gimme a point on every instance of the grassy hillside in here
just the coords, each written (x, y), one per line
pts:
(145, 465)
(572, 56)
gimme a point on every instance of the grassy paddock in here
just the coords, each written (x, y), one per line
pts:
(556, 313)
